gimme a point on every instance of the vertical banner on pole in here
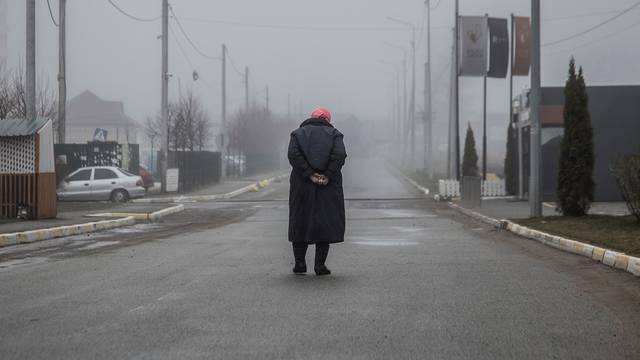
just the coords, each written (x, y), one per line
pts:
(522, 37)
(472, 40)
(499, 48)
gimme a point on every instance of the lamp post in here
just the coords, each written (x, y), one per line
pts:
(428, 124)
(412, 102)
(397, 99)
(404, 104)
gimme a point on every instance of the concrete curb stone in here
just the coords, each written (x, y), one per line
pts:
(255, 187)
(610, 258)
(31, 236)
(26, 237)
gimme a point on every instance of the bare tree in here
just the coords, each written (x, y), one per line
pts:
(256, 131)
(189, 127)
(13, 98)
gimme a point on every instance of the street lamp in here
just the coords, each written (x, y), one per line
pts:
(412, 104)
(398, 99)
(404, 103)
(428, 124)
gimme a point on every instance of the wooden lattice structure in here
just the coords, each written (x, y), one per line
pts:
(27, 171)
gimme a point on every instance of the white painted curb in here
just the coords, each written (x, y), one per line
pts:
(413, 183)
(27, 237)
(195, 198)
(610, 258)
(155, 216)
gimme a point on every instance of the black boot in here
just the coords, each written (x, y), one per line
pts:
(322, 250)
(299, 252)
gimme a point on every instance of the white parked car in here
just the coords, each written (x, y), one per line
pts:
(101, 183)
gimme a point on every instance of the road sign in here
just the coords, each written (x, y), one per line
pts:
(100, 135)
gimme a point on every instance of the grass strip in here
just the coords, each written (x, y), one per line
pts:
(620, 233)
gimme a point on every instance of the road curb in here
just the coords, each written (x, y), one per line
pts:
(607, 257)
(27, 237)
(124, 219)
(255, 187)
(413, 183)
(142, 216)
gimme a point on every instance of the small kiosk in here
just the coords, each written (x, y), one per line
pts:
(27, 169)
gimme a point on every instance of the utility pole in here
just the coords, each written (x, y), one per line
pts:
(246, 88)
(30, 77)
(223, 130)
(62, 71)
(484, 131)
(164, 100)
(224, 88)
(428, 104)
(484, 124)
(451, 141)
(457, 89)
(535, 199)
(413, 98)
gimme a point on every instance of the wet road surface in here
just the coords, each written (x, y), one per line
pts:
(412, 281)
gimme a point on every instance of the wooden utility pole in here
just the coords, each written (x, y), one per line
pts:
(164, 101)
(224, 88)
(62, 71)
(30, 76)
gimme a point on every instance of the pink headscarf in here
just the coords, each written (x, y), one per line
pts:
(322, 113)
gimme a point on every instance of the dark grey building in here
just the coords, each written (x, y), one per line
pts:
(615, 117)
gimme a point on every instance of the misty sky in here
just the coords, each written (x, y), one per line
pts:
(119, 59)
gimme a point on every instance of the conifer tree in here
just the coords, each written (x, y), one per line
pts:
(575, 177)
(470, 158)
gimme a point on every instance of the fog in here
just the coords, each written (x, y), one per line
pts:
(327, 53)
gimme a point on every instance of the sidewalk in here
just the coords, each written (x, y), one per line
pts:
(519, 209)
(75, 213)
(224, 190)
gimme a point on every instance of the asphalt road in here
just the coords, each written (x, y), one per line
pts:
(413, 281)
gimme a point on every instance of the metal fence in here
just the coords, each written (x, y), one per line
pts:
(490, 188)
(126, 156)
(196, 168)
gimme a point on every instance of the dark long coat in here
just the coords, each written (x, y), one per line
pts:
(316, 212)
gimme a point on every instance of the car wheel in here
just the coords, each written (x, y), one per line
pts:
(119, 196)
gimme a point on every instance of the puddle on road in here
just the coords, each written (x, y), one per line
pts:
(7, 265)
(99, 245)
(386, 243)
(372, 241)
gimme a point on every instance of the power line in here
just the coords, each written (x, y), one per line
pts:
(233, 65)
(193, 45)
(599, 25)
(295, 27)
(51, 14)
(597, 40)
(570, 17)
(180, 47)
(131, 16)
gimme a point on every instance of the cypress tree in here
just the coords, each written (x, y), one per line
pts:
(575, 177)
(511, 160)
(470, 158)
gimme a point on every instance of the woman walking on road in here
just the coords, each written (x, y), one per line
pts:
(316, 200)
